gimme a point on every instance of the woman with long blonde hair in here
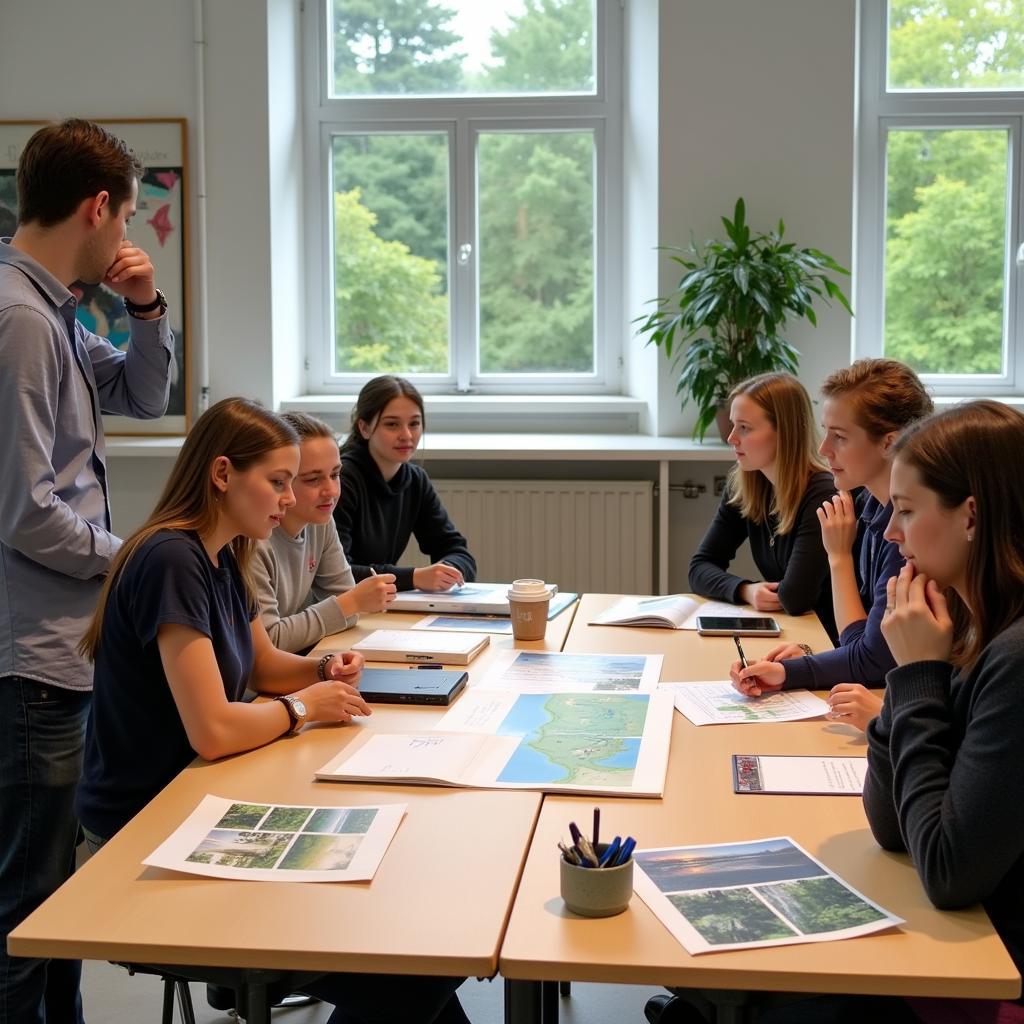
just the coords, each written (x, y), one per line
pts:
(176, 639)
(771, 501)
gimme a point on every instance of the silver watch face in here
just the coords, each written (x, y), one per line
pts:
(299, 707)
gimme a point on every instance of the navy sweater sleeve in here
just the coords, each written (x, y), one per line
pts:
(945, 768)
(436, 534)
(862, 656)
(709, 575)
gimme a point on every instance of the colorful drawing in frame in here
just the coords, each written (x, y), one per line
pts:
(160, 226)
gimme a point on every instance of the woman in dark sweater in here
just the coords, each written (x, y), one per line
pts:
(771, 500)
(385, 499)
(945, 777)
(865, 407)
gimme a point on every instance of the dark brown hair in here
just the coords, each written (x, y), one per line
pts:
(969, 451)
(885, 395)
(64, 163)
(788, 407)
(237, 428)
(372, 401)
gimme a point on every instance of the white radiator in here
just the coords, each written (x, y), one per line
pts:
(592, 536)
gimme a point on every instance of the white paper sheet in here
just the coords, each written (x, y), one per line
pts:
(765, 892)
(266, 842)
(548, 672)
(611, 743)
(719, 703)
(834, 776)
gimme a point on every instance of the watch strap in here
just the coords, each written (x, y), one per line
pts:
(290, 708)
(134, 309)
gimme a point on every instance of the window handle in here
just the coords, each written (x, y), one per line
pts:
(465, 252)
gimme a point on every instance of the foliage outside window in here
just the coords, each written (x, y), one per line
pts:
(942, 90)
(465, 186)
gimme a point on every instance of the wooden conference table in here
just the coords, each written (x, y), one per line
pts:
(247, 934)
(407, 921)
(934, 953)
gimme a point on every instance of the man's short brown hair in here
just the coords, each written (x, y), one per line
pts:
(64, 163)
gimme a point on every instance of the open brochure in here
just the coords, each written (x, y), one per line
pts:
(550, 672)
(799, 774)
(676, 611)
(613, 744)
(766, 892)
(280, 842)
(722, 704)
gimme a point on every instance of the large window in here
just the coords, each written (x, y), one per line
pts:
(464, 205)
(939, 260)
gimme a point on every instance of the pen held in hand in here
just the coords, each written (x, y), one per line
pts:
(739, 649)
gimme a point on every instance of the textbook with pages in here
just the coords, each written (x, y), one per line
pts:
(675, 611)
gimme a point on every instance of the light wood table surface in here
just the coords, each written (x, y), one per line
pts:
(935, 953)
(409, 919)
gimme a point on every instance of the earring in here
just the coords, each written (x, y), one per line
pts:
(970, 537)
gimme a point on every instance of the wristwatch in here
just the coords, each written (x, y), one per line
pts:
(159, 302)
(296, 709)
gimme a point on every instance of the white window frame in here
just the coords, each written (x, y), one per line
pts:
(463, 119)
(880, 110)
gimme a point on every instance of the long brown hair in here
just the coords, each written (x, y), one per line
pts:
(372, 401)
(788, 407)
(969, 450)
(237, 428)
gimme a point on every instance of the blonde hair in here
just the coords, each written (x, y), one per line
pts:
(236, 428)
(788, 407)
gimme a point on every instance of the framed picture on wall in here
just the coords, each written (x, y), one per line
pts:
(160, 227)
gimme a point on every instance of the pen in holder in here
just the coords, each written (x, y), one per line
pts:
(596, 891)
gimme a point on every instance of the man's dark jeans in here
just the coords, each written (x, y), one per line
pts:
(42, 733)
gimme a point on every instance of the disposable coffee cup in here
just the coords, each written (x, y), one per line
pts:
(596, 892)
(528, 602)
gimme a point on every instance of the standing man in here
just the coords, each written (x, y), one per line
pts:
(77, 190)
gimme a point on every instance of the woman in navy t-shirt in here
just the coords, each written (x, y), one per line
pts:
(176, 639)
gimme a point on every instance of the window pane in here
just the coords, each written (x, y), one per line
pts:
(536, 257)
(390, 253)
(956, 44)
(945, 249)
(461, 47)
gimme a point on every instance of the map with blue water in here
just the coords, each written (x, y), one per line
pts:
(584, 739)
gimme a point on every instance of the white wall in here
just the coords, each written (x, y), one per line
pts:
(750, 98)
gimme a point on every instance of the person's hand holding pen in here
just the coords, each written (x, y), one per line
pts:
(762, 677)
(372, 594)
(436, 577)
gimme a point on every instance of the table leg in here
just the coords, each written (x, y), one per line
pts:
(549, 1001)
(524, 1002)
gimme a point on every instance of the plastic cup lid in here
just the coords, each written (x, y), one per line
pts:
(529, 590)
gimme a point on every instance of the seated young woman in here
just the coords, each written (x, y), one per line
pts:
(771, 500)
(386, 499)
(865, 407)
(303, 581)
(176, 639)
(945, 780)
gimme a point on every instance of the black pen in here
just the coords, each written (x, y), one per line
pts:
(739, 647)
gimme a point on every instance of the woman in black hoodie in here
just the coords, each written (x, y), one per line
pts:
(386, 499)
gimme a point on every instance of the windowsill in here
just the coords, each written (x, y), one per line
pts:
(513, 414)
(508, 447)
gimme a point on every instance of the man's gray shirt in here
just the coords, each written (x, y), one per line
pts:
(55, 541)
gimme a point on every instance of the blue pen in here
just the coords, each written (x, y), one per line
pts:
(608, 857)
(625, 851)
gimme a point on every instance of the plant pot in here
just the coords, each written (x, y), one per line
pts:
(723, 422)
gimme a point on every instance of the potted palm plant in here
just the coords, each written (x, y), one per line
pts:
(730, 305)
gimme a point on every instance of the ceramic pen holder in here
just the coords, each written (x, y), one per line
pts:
(596, 892)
